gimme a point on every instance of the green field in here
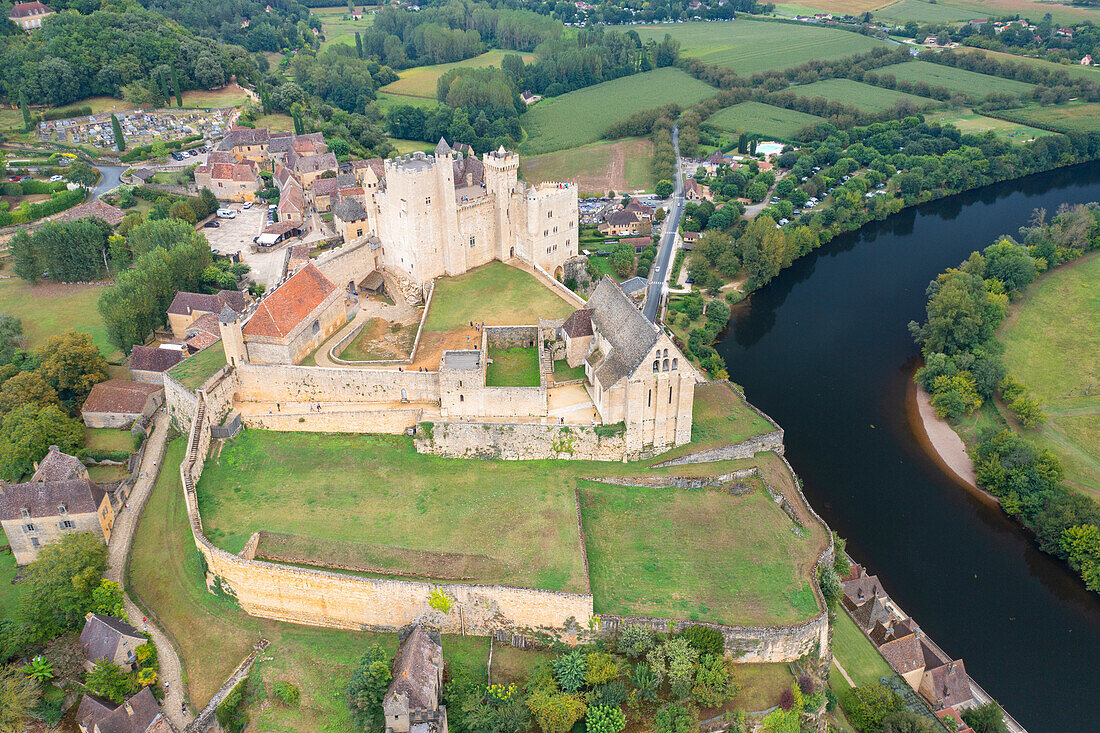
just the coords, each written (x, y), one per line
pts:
(410, 146)
(945, 11)
(518, 299)
(395, 510)
(420, 81)
(583, 116)
(622, 165)
(1052, 339)
(193, 371)
(856, 653)
(970, 122)
(644, 555)
(9, 593)
(762, 119)
(750, 46)
(108, 439)
(956, 80)
(864, 97)
(49, 308)
(1068, 117)
(721, 417)
(276, 121)
(338, 27)
(514, 367)
(385, 100)
(1074, 70)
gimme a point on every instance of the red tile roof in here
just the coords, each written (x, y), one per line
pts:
(24, 10)
(289, 304)
(119, 396)
(103, 210)
(151, 359)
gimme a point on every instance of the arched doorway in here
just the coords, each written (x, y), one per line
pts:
(512, 252)
(559, 273)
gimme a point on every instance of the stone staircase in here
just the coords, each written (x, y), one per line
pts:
(546, 361)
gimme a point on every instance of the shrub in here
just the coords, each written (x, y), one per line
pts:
(676, 718)
(287, 693)
(230, 713)
(604, 719)
(601, 668)
(705, 640)
(570, 670)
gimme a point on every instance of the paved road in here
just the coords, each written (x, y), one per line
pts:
(658, 276)
(118, 553)
(109, 178)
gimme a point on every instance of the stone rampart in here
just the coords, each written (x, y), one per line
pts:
(520, 442)
(181, 403)
(338, 420)
(504, 337)
(289, 383)
(503, 402)
(772, 441)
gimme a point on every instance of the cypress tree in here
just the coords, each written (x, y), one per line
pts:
(163, 83)
(120, 141)
(28, 123)
(752, 146)
(176, 87)
(358, 44)
(743, 144)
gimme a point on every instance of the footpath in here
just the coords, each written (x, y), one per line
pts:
(118, 555)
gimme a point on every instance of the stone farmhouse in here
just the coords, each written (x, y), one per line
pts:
(186, 308)
(140, 713)
(228, 179)
(105, 638)
(29, 16)
(59, 498)
(118, 403)
(412, 701)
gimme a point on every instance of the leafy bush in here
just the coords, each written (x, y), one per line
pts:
(604, 719)
(231, 713)
(287, 693)
(570, 670)
(676, 718)
(705, 640)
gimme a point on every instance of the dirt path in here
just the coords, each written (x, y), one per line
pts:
(118, 554)
(945, 441)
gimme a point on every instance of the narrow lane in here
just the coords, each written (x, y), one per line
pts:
(659, 274)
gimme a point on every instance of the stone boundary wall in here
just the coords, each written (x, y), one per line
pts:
(504, 337)
(521, 442)
(342, 343)
(336, 600)
(181, 402)
(570, 296)
(678, 482)
(515, 401)
(336, 420)
(285, 382)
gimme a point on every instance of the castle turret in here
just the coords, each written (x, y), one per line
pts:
(229, 324)
(501, 181)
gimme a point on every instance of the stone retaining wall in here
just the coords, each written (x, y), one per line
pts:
(746, 449)
(504, 337)
(338, 420)
(520, 441)
(287, 383)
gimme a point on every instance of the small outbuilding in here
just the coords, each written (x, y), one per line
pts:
(118, 403)
(412, 702)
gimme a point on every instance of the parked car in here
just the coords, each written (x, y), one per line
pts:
(247, 205)
(53, 179)
(227, 214)
(212, 225)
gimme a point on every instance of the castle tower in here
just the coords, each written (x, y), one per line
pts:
(501, 182)
(446, 210)
(229, 324)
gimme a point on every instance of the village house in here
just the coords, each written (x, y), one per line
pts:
(644, 212)
(309, 168)
(38, 512)
(229, 181)
(119, 403)
(946, 686)
(110, 214)
(624, 224)
(140, 713)
(203, 332)
(412, 703)
(292, 203)
(29, 16)
(350, 219)
(105, 638)
(689, 239)
(149, 363)
(58, 466)
(695, 191)
(187, 307)
(288, 323)
(324, 192)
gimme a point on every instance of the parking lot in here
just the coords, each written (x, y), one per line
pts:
(235, 235)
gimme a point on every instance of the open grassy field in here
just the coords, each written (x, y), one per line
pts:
(337, 26)
(702, 554)
(563, 372)
(762, 119)
(751, 46)
(514, 367)
(1074, 70)
(622, 165)
(945, 11)
(49, 308)
(1052, 338)
(969, 122)
(108, 439)
(410, 146)
(228, 96)
(518, 298)
(584, 115)
(721, 417)
(193, 371)
(276, 121)
(420, 81)
(865, 97)
(385, 100)
(1068, 117)
(439, 518)
(957, 80)
(846, 7)
(856, 653)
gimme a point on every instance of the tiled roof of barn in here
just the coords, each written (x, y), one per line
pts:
(630, 334)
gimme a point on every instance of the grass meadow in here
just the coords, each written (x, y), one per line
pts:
(1052, 337)
(1067, 117)
(623, 165)
(946, 11)
(518, 297)
(957, 80)
(276, 121)
(762, 119)
(385, 100)
(193, 371)
(856, 653)
(1074, 70)
(970, 122)
(856, 94)
(513, 367)
(584, 115)
(49, 308)
(338, 26)
(751, 46)
(420, 81)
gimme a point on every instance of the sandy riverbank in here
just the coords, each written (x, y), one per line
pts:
(947, 446)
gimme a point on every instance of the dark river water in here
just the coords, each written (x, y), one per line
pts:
(825, 351)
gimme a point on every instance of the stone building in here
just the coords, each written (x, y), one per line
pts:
(412, 701)
(444, 214)
(29, 16)
(44, 509)
(288, 323)
(186, 308)
(140, 713)
(149, 363)
(105, 638)
(635, 373)
(118, 403)
(229, 181)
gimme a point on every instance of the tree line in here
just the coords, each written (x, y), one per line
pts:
(963, 368)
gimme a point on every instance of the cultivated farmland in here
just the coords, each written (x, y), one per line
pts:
(1068, 117)
(762, 119)
(865, 97)
(956, 80)
(945, 11)
(420, 81)
(749, 47)
(583, 116)
(622, 165)
(969, 121)
(1075, 70)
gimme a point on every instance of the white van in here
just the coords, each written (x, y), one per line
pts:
(227, 214)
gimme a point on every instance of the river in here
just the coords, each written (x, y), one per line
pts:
(825, 351)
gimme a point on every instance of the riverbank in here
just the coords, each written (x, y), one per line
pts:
(941, 441)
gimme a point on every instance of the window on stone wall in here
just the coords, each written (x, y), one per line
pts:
(649, 400)
(665, 366)
(674, 361)
(25, 513)
(473, 241)
(28, 528)
(316, 326)
(68, 524)
(461, 398)
(427, 200)
(656, 366)
(549, 214)
(34, 542)
(670, 395)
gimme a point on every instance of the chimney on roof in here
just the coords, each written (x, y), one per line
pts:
(129, 709)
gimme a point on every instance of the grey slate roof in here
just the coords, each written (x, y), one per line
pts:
(630, 334)
(139, 714)
(151, 359)
(101, 636)
(349, 209)
(634, 285)
(579, 323)
(417, 671)
(41, 499)
(442, 148)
